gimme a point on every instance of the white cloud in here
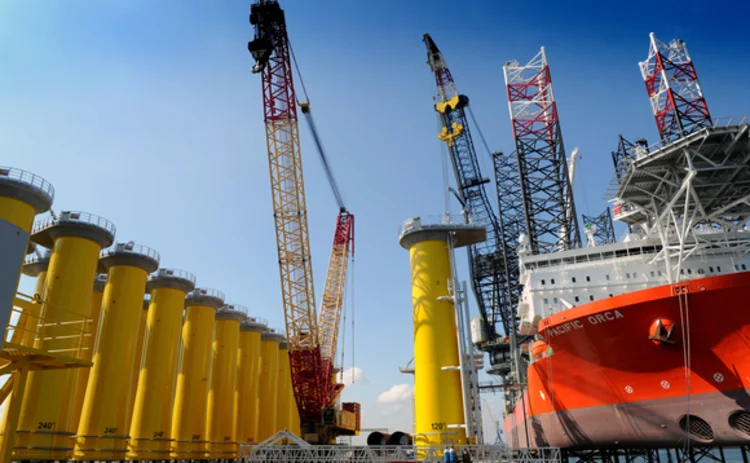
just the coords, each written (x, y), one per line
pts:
(397, 393)
(352, 376)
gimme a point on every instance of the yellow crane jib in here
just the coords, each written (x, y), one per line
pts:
(449, 137)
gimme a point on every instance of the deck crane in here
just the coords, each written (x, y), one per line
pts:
(486, 259)
(312, 340)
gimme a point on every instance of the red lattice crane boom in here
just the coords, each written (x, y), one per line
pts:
(312, 341)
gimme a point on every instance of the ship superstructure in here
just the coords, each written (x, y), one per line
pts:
(644, 342)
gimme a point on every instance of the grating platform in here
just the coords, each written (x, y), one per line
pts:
(716, 157)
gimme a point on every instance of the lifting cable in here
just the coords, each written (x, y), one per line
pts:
(305, 106)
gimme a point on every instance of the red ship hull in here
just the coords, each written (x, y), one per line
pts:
(606, 383)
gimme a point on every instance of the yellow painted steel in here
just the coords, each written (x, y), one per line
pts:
(283, 413)
(294, 418)
(194, 378)
(19, 213)
(248, 381)
(137, 361)
(151, 423)
(102, 431)
(46, 412)
(29, 319)
(220, 432)
(438, 395)
(82, 375)
(268, 387)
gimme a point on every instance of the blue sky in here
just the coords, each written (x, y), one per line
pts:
(147, 114)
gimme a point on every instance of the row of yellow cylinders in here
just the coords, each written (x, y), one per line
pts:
(234, 351)
(98, 402)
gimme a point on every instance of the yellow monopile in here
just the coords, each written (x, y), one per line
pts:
(246, 409)
(294, 416)
(102, 432)
(46, 414)
(23, 195)
(268, 389)
(83, 374)
(151, 424)
(222, 442)
(283, 413)
(191, 398)
(437, 381)
(138, 358)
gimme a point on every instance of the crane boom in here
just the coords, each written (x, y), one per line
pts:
(333, 294)
(270, 48)
(486, 261)
(312, 341)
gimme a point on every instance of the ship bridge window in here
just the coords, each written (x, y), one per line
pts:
(690, 271)
(542, 280)
(591, 297)
(718, 268)
(546, 301)
(573, 279)
(682, 271)
(577, 299)
(607, 276)
(610, 294)
(652, 273)
(554, 300)
(701, 271)
(627, 275)
(710, 269)
(658, 272)
(588, 278)
(743, 267)
(552, 281)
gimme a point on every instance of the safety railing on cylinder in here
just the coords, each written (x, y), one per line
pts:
(30, 327)
(429, 221)
(391, 454)
(175, 273)
(258, 320)
(27, 178)
(130, 248)
(75, 217)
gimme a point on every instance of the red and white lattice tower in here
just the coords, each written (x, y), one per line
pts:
(672, 84)
(546, 190)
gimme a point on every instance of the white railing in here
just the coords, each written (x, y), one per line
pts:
(174, 273)
(236, 307)
(258, 320)
(131, 248)
(27, 178)
(75, 217)
(389, 454)
(427, 221)
(206, 292)
(726, 121)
